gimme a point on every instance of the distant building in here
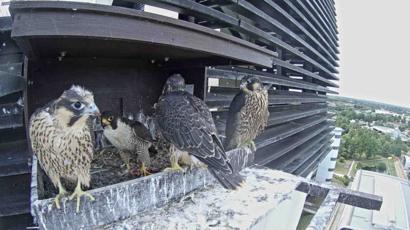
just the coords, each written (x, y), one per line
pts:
(393, 133)
(406, 163)
(327, 167)
(385, 112)
(395, 210)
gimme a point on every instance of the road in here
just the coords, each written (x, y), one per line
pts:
(399, 169)
(350, 169)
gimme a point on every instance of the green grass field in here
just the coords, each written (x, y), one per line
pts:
(390, 168)
(342, 168)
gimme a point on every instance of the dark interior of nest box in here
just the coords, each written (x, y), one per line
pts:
(124, 85)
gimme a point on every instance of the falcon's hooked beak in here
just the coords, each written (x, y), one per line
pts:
(92, 110)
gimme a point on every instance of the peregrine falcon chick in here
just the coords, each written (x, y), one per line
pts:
(61, 137)
(186, 122)
(248, 114)
(129, 137)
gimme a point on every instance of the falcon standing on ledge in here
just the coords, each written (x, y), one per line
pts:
(61, 137)
(128, 136)
(186, 122)
(248, 114)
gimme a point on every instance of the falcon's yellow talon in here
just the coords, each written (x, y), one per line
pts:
(174, 167)
(78, 192)
(174, 161)
(57, 199)
(144, 170)
(61, 193)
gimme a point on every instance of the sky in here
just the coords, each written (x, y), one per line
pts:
(374, 38)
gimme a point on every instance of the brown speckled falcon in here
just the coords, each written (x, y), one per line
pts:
(61, 137)
(186, 122)
(128, 137)
(248, 114)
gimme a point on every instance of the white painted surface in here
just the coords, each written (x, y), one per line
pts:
(394, 213)
(4, 8)
(286, 216)
(327, 164)
(160, 11)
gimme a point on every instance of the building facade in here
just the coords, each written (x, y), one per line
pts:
(326, 168)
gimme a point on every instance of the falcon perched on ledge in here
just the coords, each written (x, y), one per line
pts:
(61, 137)
(129, 137)
(248, 114)
(186, 122)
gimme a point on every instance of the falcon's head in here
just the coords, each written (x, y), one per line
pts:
(109, 119)
(75, 106)
(251, 83)
(175, 83)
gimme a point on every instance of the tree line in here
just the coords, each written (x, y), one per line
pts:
(359, 143)
(362, 143)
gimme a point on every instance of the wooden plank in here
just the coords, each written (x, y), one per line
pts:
(106, 25)
(278, 149)
(270, 23)
(277, 133)
(347, 196)
(7, 45)
(303, 71)
(246, 28)
(321, 34)
(298, 160)
(271, 40)
(275, 97)
(15, 69)
(281, 117)
(11, 58)
(313, 161)
(286, 162)
(278, 114)
(236, 73)
(5, 24)
(329, 50)
(330, 11)
(330, 21)
(14, 200)
(312, 10)
(283, 113)
(10, 84)
(13, 158)
(193, 8)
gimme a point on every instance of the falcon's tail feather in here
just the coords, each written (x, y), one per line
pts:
(229, 181)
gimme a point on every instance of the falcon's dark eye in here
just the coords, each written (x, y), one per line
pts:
(77, 105)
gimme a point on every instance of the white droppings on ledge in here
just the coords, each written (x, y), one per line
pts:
(215, 207)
